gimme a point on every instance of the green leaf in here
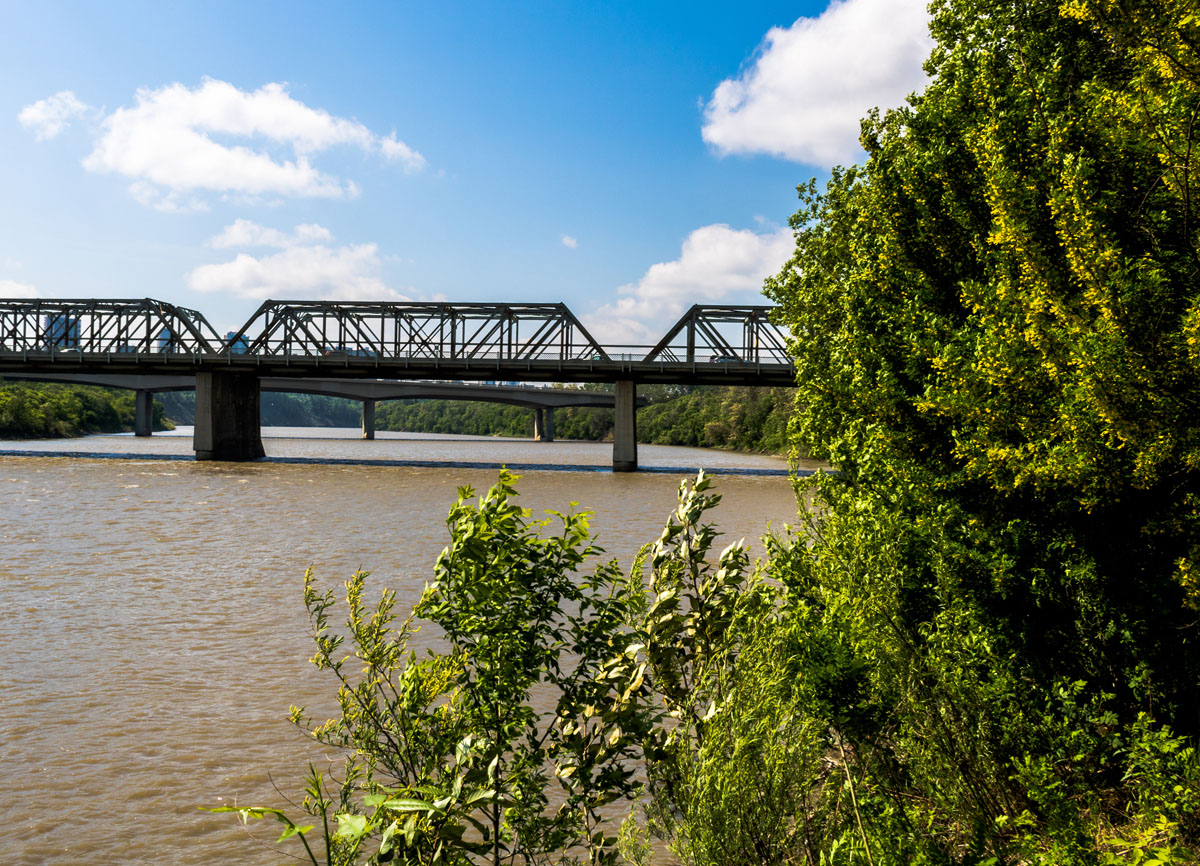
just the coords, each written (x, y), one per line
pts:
(293, 830)
(351, 826)
(410, 805)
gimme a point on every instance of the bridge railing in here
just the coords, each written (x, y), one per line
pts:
(139, 326)
(508, 332)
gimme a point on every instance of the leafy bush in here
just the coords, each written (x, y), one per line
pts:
(448, 759)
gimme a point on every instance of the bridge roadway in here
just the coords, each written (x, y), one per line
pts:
(364, 349)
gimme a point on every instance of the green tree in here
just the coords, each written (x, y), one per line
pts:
(995, 324)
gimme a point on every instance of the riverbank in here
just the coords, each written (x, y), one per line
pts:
(736, 419)
(47, 410)
(750, 420)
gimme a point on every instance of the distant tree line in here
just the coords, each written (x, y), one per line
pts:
(737, 418)
(278, 410)
(47, 410)
(740, 418)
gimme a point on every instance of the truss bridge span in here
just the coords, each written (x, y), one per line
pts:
(307, 342)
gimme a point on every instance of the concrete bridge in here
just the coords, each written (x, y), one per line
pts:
(372, 351)
(543, 401)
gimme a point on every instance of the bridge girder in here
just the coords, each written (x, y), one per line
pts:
(307, 340)
(355, 389)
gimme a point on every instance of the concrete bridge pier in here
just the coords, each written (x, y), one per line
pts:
(625, 428)
(143, 412)
(368, 419)
(227, 420)
(543, 424)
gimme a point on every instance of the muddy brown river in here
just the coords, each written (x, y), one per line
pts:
(153, 633)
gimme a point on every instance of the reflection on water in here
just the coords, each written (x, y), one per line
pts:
(154, 634)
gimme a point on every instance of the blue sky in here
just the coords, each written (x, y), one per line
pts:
(628, 159)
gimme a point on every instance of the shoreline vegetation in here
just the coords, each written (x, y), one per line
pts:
(729, 418)
(48, 410)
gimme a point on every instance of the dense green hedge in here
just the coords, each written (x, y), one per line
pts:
(45, 410)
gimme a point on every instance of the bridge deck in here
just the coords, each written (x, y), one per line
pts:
(473, 369)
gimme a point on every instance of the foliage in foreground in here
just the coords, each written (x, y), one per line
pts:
(982, 647)
(785, 712)
(449, 758)
(48, 410)
(995, 326)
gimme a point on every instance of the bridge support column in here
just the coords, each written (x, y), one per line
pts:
(368, 419)
(625, 428)
(227, 419)
(143, 413)
(543, 424)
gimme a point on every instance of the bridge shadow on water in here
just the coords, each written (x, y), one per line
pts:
(424, 464)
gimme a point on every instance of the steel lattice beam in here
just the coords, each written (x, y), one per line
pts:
(724, 335)
(504, 332)
(403, 341)
(142, 326)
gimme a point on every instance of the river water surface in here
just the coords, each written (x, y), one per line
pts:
(153, 632)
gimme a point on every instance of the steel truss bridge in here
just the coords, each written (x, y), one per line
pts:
(347, 346)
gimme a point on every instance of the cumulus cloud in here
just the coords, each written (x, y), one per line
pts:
(304, 268)
(11, 289)
(811, 83)
(165, 201)
(177, 143)
(247, 233)
(717, 264)
(50, 116)
(397, 151)
(569, 242)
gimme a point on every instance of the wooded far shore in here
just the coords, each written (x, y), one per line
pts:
(734, 418)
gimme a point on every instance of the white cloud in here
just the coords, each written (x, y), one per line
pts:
(397, 151)
(811, 83)
(569, 242)
(50, 116)
(247, 233)
(717, 264)
(166, 202)
(11, 289)
(304, 268)
(176, 143)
